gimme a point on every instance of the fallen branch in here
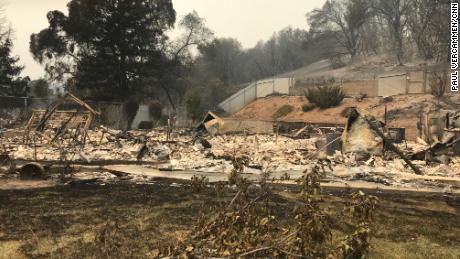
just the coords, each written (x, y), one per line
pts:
(392, 147)
(234, 199)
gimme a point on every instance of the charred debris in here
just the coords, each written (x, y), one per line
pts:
(70, 146)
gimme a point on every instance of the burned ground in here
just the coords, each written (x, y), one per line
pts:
(105, 194)
(136, 221)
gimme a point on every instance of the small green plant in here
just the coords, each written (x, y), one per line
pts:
(312, 228)
(361, 209)
(283, 111)
(326, 96)
(235, 178)
(308, 107)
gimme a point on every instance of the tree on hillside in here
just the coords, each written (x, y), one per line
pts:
(223, 66)
(344, 20)
(225, 60)
(290, 43)
(438, 31)
(395, 13)
(283, 52)
(371, 36)
(106, 47)
(427, 24)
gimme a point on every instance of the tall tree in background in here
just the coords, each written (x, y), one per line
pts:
(10, 81)
(395, 13)
(222, 58)
(283, 52)
(429, 28)
(344, 20)
(107, 47)
(438, 30)
(195, 34)
(225, 60)
(371, 35)
(290, 43)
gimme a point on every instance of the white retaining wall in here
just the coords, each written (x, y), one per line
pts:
(258, 89)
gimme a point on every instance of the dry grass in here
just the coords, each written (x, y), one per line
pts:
(133, 221)
(403, 112)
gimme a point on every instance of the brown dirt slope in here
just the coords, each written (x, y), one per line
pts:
(403, 111)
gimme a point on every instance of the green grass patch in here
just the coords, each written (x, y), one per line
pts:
(283, 111)
(308, 107)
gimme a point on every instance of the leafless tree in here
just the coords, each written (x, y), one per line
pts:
(284, 51)
(419, 21)
(371, 33)
(195, 33)
(344, 18)
(438, 83)
(429, 28)
(395, 13)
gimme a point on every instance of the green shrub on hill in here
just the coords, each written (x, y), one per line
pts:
(326, 96)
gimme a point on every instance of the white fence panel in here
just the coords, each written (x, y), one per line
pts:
(256, 90)
(392, 85)
(265, 88)
(283, 85)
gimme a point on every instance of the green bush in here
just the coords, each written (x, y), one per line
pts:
(326, 96)
(283, 111)
(308, 107)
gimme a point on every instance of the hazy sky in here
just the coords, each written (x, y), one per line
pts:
(247, 20)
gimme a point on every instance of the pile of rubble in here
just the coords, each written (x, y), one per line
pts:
(188, 152)
(184, 152)
(367, 152)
